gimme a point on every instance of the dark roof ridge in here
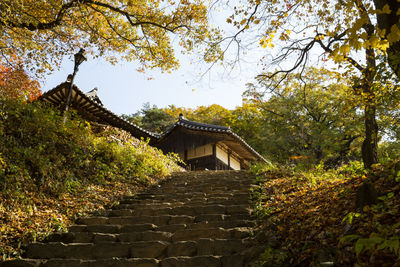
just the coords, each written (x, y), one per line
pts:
(196, 126)
(204, 125)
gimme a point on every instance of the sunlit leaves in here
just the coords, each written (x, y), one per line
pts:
(15, 83)
(394, 35)
(42, 32)
(344, 27)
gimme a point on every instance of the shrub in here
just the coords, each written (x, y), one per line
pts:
(40, 152)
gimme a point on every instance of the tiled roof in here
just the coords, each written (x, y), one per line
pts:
(202, 126)
(90, 109)
(93, 96)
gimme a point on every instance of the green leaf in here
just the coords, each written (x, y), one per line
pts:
(349, 238)
(392, 244)
(367, 243)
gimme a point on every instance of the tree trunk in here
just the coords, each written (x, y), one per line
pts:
(385, 22)
(366, 193)
(369, 148)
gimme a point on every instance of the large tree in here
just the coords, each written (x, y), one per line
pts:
(152, 118)
(41, 32)
(316, 122)
(16, 83)
(343, 31)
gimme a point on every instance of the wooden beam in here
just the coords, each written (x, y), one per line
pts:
(229, 158)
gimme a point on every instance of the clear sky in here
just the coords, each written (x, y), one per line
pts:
(123, 89)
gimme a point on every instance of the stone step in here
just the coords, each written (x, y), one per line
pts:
(221, 224)
(211, 180)
(187, 195)
(126, 204)
(85, 251)
(77, 250)
(208, 190)
(184, 235)
(181, 234)
(219, 181)
(223, 180)
(90, 237)
(173, 204)
(112, 228)
(198, 176)
(122, 220)
(203, 187)
(200, 261)
(114, 262)
(217, 185)
(162, 219)
(138, 249)
(206, 246)
(21, 263)
(209, 261)
(129, 228)
(189, 201)
(145, 205)
(214, 233)
(204, 184)
(182, 261)
(220, 217)
(181, 210)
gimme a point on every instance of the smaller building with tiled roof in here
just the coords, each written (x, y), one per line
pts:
(207, 146)
(201, 146)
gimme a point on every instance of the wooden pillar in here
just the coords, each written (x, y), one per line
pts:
(185, 159)
(214, 148)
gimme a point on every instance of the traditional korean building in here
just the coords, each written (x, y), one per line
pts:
(201, 146)
(206, 146)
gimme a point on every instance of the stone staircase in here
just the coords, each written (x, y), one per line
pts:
(191, 219)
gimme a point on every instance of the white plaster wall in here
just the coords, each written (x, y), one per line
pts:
(235, 164)
(222, 155)
(200, 151)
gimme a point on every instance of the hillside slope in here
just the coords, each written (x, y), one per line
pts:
(310, 218)
(52, 172)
